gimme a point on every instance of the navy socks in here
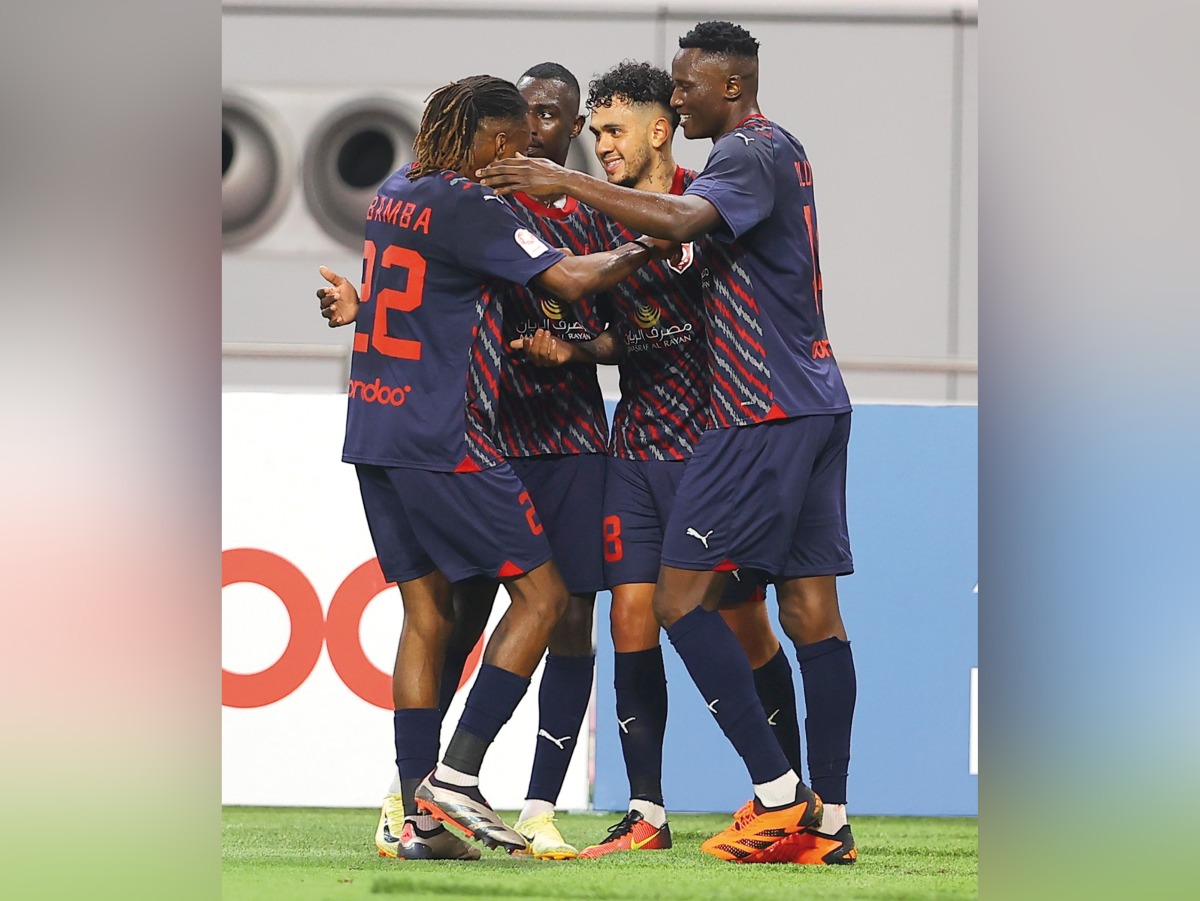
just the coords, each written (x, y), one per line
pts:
(490, 705)
(563, 698)
(641, 685)
(777, 692)
(827, 668)
(417, 734)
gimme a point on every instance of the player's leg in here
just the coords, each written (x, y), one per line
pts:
(773, 683)
(402, 830)
(727, 516)
(638, 497)
(473, 600)
(512, 653)
(568, 491)
(482, 524)
(811, 617)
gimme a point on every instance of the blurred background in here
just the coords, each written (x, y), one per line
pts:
(320, 102)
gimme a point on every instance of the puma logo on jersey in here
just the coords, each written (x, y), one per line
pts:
(624, 724)
(744, 137)
(703, 538)
(558, 741)
(712, 706)
(492, 197)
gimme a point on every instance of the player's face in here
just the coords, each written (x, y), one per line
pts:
(497, 139)
(622, 135)
(699, 96)
(553, 118)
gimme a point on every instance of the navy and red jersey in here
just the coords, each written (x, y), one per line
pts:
(762, 281)
(424, 377)
(664, 371)
(550, 410)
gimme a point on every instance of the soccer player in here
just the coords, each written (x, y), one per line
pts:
(659, 343)
(441, 503)
(765, 488)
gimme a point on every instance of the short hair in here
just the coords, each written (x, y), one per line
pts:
(554, 72)
(721, 37)
(452, 116)
(637, 83)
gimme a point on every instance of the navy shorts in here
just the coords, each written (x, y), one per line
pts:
(639, 496)
(462, 523)
(568, 490)
(768, 497)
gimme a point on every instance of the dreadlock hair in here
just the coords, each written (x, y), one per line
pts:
(721, 37)
(452, 116)
(635, 82)
(554, 72)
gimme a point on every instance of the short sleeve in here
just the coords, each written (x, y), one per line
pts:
(493, 242)
(739, 180)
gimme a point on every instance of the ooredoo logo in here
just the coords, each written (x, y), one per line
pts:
(378, 393)
(337, 630)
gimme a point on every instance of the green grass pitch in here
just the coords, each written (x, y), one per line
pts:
(304, 854)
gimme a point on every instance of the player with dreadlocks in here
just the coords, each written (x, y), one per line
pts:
(441, 503)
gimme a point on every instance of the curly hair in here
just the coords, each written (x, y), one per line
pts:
(452, 116)
(635, 82)
(721, 37)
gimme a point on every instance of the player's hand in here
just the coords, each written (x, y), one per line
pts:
(543, 349)
(663, 249)
(520, 173)
(339, 304)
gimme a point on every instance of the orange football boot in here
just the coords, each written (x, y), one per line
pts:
(755, 828)
(633, 833)
(811, 848)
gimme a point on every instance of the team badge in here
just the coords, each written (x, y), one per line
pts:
(530, 243)
(685, 260)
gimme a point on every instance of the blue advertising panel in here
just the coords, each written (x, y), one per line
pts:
(911, 614)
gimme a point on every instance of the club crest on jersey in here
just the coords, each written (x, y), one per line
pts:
(646, 315)
(530, 243)
(685, 260)
(552, 308)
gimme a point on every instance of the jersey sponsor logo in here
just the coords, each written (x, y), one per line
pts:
(552, 308)
(646, 315)
(685, 261)
(821, 350)
(377, 393)
(530, 243)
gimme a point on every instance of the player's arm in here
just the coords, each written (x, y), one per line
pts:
(572, 278)
(674, 217)
(543, 349)
(339, 303)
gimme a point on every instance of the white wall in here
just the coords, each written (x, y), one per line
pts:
(882, 94)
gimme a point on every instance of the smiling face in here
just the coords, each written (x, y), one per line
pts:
(626, 136)
(702, 92)
(553, 117)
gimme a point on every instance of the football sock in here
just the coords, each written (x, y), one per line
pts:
(533, 807)
(641, 686)
(654, 814)
(833, 819)
(778, 792)
(491, 703)
(451, 776)
(827, 669)
(773, 682)
(417, 733)
(562, 702)
(394, 786)
(718, 666)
